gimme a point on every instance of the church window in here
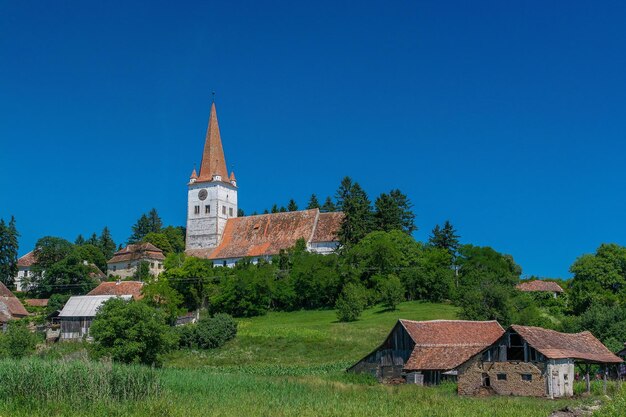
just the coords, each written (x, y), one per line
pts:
(223, 209)
(207, 209)
(230, 212)
(196, 210)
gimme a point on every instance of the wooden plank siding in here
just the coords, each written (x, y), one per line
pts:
(75, 327)
(388, 360)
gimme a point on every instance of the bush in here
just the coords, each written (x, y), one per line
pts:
(351, 302)
(131, 332)
(18, 341)
(391, 292)
(208, 333)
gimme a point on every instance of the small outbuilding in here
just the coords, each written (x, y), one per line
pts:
(540, 286)
(531, 361)
(119, 288)
(426, 352)
(78, 313)
(10, 306)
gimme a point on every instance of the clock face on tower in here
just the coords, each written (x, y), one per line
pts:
(202, 195)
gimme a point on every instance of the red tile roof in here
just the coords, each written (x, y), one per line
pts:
(27, 260)
(539, 285)
(37, 302)
(119, 288)
(267, 234)
(555, 345)
(213, 161)
(4, 291)
(136, 252)
(446, 344)
(14, 306)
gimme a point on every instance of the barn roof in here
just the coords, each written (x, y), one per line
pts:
(37, 302)
(555, 345)
(4, 291)
(86, 305)
(14, 306)
(267, 234)
(446, 344)
(137, 251)
(539, 285)
(119, 288)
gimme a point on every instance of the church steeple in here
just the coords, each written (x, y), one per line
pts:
(213, 162)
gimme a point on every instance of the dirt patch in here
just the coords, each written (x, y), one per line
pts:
(580, 411)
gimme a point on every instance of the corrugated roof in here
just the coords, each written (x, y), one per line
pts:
(539, 285)
(446, 344)
(556, 345)
(267, 234)
(132, 288)
(85, 305)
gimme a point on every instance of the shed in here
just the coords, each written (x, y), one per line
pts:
(540, 286)
(119, 288)
(78, 313)
(531, 361)
(425, 352)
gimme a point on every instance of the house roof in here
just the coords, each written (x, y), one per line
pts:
(4, 291)
(539, 285)
(213, 161)
(446, 344)
(132, 288)
(37, 302)
(136, 252)
(86, 305)
(555, 345)
(267, 234)
(26, 260)
(14, 306)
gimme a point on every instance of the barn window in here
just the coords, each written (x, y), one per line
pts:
(486, 381)
(527, 377)
(501, 377)
(515, 351)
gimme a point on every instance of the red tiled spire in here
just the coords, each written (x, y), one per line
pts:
(232, 176)
(194, 175)
(213, 161)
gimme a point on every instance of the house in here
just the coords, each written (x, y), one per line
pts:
(425, 352)
(78, 313)
(125, 262)
(215, 232)
(24, 270)
(10, 306)
(540, 286)
(119, 288)
(531, 361)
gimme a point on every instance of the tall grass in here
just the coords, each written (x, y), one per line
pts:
(37, 381)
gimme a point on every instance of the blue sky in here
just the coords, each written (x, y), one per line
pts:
(508, 118)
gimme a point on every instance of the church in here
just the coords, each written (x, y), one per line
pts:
(215, 232)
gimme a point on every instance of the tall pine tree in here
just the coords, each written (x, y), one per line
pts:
(8, 251)
(106, 243)
(150, 223)
(357, 209)
(313, 203)
(292, 206)
(328, 206)
(393, 212)
(445, 237)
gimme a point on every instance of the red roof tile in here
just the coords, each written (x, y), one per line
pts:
(14, 306)
(119, 288)
(136, 252)
(555, 345)
(267, 234)
(213, 161)
(539, 285)
(446, 344)
(37, 302)
(328, 225)
(27, 260)
(4, 291)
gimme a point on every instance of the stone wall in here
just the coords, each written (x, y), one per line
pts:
(470, 378)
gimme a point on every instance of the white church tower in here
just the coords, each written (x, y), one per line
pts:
(212, 195)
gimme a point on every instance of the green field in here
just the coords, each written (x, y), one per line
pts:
(292, 364)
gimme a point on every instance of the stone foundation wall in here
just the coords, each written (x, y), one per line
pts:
(470, 378)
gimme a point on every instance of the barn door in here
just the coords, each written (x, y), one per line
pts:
(557, 390)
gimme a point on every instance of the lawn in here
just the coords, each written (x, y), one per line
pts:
(292, 364)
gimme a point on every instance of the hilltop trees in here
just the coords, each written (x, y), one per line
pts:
(147, 223)
(8, 251)
(356, 207)
(313, 203)
(393, 212)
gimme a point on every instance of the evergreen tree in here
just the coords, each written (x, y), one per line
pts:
(445, 237)
(274, 208)
(266, 212)
(282, 209)
(313, 203)
(93, 240)
(150, 223)
(154, 221)
(358, 219)
(80, 240)
(393, 212)
(328, 206)
(8, 251)
(240, 213)
(106, 243)
(292, 206)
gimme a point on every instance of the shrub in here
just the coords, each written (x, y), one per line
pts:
(18, 341)
(351, 302)
(131, 332)
(391, 292)
(187, 335)
(208, 333)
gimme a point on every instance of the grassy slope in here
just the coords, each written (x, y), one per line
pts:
(292, 364)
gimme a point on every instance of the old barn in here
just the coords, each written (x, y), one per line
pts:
(425, 352)
(532, 361)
